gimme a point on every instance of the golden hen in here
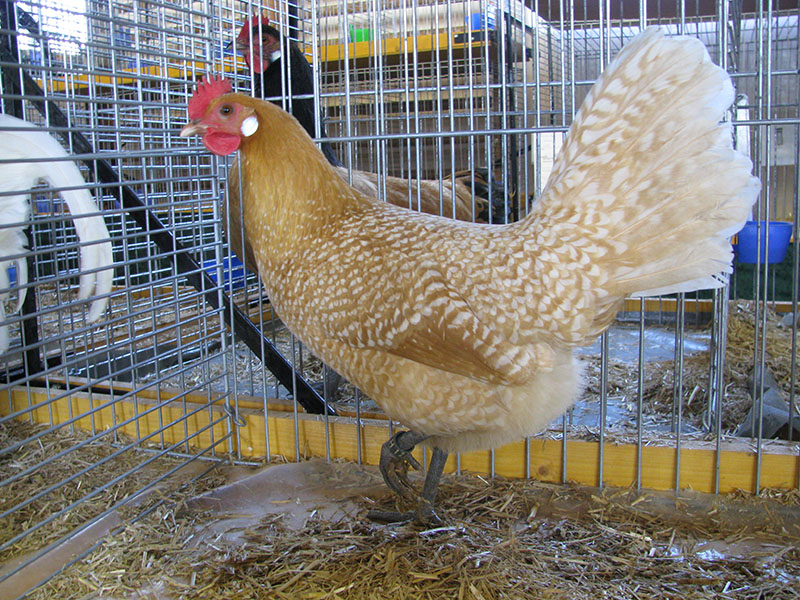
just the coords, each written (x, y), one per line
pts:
(465, 332)
(453, 200)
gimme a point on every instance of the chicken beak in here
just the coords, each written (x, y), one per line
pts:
(193, 128)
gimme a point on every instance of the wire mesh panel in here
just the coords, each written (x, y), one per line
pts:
(432, 89)
(145, 340)
(92, 404)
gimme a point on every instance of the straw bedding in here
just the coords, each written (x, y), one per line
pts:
(498, 538)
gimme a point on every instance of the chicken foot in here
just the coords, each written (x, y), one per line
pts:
(394, 462)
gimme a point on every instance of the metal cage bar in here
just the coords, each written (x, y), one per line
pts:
(189, 360)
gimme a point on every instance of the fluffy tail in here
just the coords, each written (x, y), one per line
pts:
(23, 141)
(649, 175)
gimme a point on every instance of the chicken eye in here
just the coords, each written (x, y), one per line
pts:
(225, 110)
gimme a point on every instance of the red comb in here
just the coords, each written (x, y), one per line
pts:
(208, 89)
(250, 24)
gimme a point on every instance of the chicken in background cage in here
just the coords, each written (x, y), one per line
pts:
(518, 279)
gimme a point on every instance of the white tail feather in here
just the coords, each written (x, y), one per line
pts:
(96, 250)
(649, 175)
(25, 144)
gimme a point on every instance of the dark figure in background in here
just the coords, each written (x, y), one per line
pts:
(275, 77)
(273, 81)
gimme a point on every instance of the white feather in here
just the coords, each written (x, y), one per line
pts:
(26, 147)
(679, 188)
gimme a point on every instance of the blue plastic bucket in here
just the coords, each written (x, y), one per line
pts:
(233, 271)
(477, 21)
(747, 246)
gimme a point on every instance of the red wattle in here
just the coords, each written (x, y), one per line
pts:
(221, 143)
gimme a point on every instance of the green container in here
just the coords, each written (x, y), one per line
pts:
(363, 34)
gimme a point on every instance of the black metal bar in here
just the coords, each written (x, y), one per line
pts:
(30, 322)
(186, 265)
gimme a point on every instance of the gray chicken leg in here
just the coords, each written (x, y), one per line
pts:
(394, 462)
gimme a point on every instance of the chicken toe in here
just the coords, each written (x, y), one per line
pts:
(395, 460)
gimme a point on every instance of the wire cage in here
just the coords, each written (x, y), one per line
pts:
(188, 366)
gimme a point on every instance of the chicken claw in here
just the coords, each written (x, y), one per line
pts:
(395, 460)
(396, 457)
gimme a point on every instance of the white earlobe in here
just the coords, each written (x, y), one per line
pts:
(249, 126)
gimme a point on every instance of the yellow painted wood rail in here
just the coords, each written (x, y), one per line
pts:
(146, 412)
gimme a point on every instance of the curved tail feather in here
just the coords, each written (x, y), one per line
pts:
(20, 142)
(648, 184)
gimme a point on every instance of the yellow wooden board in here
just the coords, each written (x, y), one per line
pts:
(174, 417)
(392, 47)
(656, 305)
(328, 53)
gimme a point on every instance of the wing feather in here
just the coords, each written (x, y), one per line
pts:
(415, 311)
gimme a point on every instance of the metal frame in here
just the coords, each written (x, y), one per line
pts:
(438, 99)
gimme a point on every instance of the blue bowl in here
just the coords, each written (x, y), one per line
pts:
(747, 246)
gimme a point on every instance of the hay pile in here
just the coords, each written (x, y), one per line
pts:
(657, 391)
(499, 539)
(741, 344)
(73, 454)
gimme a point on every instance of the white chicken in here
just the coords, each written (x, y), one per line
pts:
(24, 150)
